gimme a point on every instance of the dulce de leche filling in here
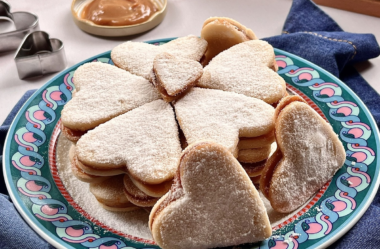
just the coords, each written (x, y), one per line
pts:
(118, 12)
(72, 135)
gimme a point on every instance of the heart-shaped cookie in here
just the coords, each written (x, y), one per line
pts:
(137, 57)
(143, 142)
(222, 117)
(212, 204)
(308, 155)
(221, 33)
(103, 92)
(173, 76)
(246, 68)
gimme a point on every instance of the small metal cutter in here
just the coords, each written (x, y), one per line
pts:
(38, 55)
(25, 23)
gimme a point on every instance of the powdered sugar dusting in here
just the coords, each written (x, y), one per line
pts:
(222, 116)
(145, 139)
(134, 223)
(176, 74)
(245, 68)
(258, 82)
(312, 155)
(137, 57)
(254, 53)
(104, 91)
(191, 47)
(220, 206)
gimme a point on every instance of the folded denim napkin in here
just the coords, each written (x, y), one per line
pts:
(309, 33)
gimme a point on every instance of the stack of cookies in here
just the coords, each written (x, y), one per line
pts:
(188, 128)
(135, 118)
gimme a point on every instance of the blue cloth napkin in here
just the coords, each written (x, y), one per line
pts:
(309, 33)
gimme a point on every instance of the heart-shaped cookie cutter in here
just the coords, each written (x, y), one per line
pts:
(38, 55)
(24, 22)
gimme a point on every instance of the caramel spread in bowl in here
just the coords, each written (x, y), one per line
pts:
(118, 12)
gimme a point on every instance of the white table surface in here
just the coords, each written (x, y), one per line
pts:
(184, 17)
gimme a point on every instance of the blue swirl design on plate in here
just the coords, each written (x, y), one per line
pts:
(355, 133)
(29, 162)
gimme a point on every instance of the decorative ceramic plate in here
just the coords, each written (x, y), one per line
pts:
(40, 197)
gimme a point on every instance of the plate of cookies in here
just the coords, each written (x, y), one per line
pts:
(194, 142)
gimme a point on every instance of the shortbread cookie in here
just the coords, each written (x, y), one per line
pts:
(246, 68)
(201, 212)
(110, 194)
(308, 155)
(135, 195)
(221, 33)
(103, 92)
(222, 117)
(137, 57)
(79, 173)
(173, 76)
(254, 155)
(143, 142)
(256, 142)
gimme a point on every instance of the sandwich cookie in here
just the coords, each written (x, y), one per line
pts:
(103, 92)
(173, 76)
(248, 68)
(222, 116)
(143, 143)
(308, 154)
(200, 210)
(221, 33)
(138, 57)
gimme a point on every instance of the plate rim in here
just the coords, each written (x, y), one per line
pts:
(348, 224)
(52, 239)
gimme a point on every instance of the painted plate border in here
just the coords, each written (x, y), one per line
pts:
(322, 87)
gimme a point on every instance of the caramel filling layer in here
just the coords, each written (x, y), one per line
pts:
(72, 135)
(139, 201)
(168, 98)
(254, 169)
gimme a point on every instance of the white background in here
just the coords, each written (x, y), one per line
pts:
(184, 17)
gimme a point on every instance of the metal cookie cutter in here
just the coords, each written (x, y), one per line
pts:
(25, 23)
(38, 55)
